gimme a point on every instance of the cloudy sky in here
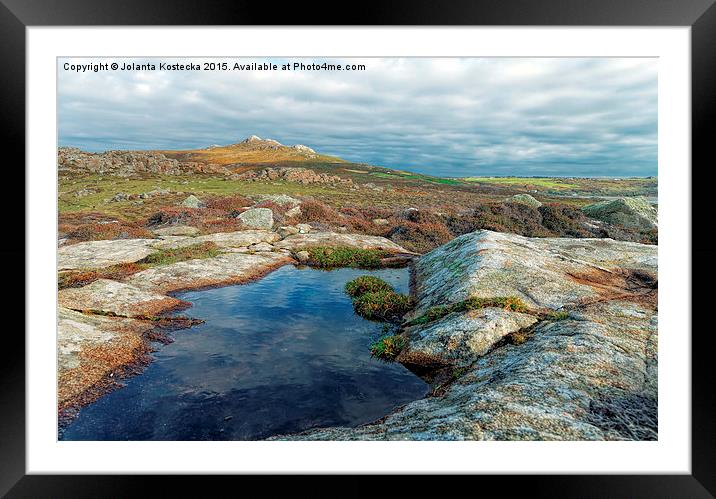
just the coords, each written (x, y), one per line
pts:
(449, 117)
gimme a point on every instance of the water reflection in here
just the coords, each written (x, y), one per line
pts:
(279, 355)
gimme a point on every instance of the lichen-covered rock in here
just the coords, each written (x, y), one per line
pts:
(95, 254)
(294, 212)
(544, 272)
(591, 376)
(525, 199)
(559, 385)
(227, 268)
(118, 298)
(634, 212)
(282, 199)
(177, 230)
(287, 230)
(334, 239)
(90, 348)
(257, 218)
(460, 338)
(261, 247)
(292, 174)
(237, 239)
(192, 202)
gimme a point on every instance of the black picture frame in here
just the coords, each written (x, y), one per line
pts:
(700, 15)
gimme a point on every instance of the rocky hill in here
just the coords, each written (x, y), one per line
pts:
(71, 160)
(221, 160)
(252, 150)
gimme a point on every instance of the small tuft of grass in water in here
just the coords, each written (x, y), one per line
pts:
(511, 303)
(343, 256)
(365, 284)
(173, 255)
(375, 299)
(387, 348)
(383, 305)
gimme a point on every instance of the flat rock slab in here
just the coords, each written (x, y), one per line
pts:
(334, 239)
(227, 268)
(460, 338)
(116, 297)
(177, 230)
(96, 254)
(236, 239)
(544, 272)
(90, 348)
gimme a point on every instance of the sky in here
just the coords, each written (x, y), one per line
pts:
(456, 117)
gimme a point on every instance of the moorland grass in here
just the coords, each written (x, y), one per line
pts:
(172, 255)
(328, 257)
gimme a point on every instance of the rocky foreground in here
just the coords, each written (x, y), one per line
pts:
(579, 364)
(589, 373)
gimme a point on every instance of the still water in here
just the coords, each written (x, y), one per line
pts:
(279, 355)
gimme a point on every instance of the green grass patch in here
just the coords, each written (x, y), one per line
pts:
(366, 284)
(557, 315)
(375, 299)
(328, 257)
(511, 303)
(387, 348)
(173, 255)
(546, 183)
(383, 305)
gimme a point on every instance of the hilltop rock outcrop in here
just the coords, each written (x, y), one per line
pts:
(589, 375)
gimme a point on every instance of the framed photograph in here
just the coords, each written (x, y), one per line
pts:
(424, 243)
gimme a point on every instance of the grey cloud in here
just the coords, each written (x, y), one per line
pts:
(451, 117)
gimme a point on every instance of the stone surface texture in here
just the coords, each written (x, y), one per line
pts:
(591, 376)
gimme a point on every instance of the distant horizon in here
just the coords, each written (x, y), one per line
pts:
(407, 169)
(454, 117)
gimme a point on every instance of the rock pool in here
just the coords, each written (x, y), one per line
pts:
(279, 355)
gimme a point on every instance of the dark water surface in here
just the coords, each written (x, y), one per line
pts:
(280, 355)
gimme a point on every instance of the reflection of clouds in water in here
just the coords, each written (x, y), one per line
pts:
(291, 314)
(283, 354)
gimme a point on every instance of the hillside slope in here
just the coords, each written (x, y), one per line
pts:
(252, 150)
